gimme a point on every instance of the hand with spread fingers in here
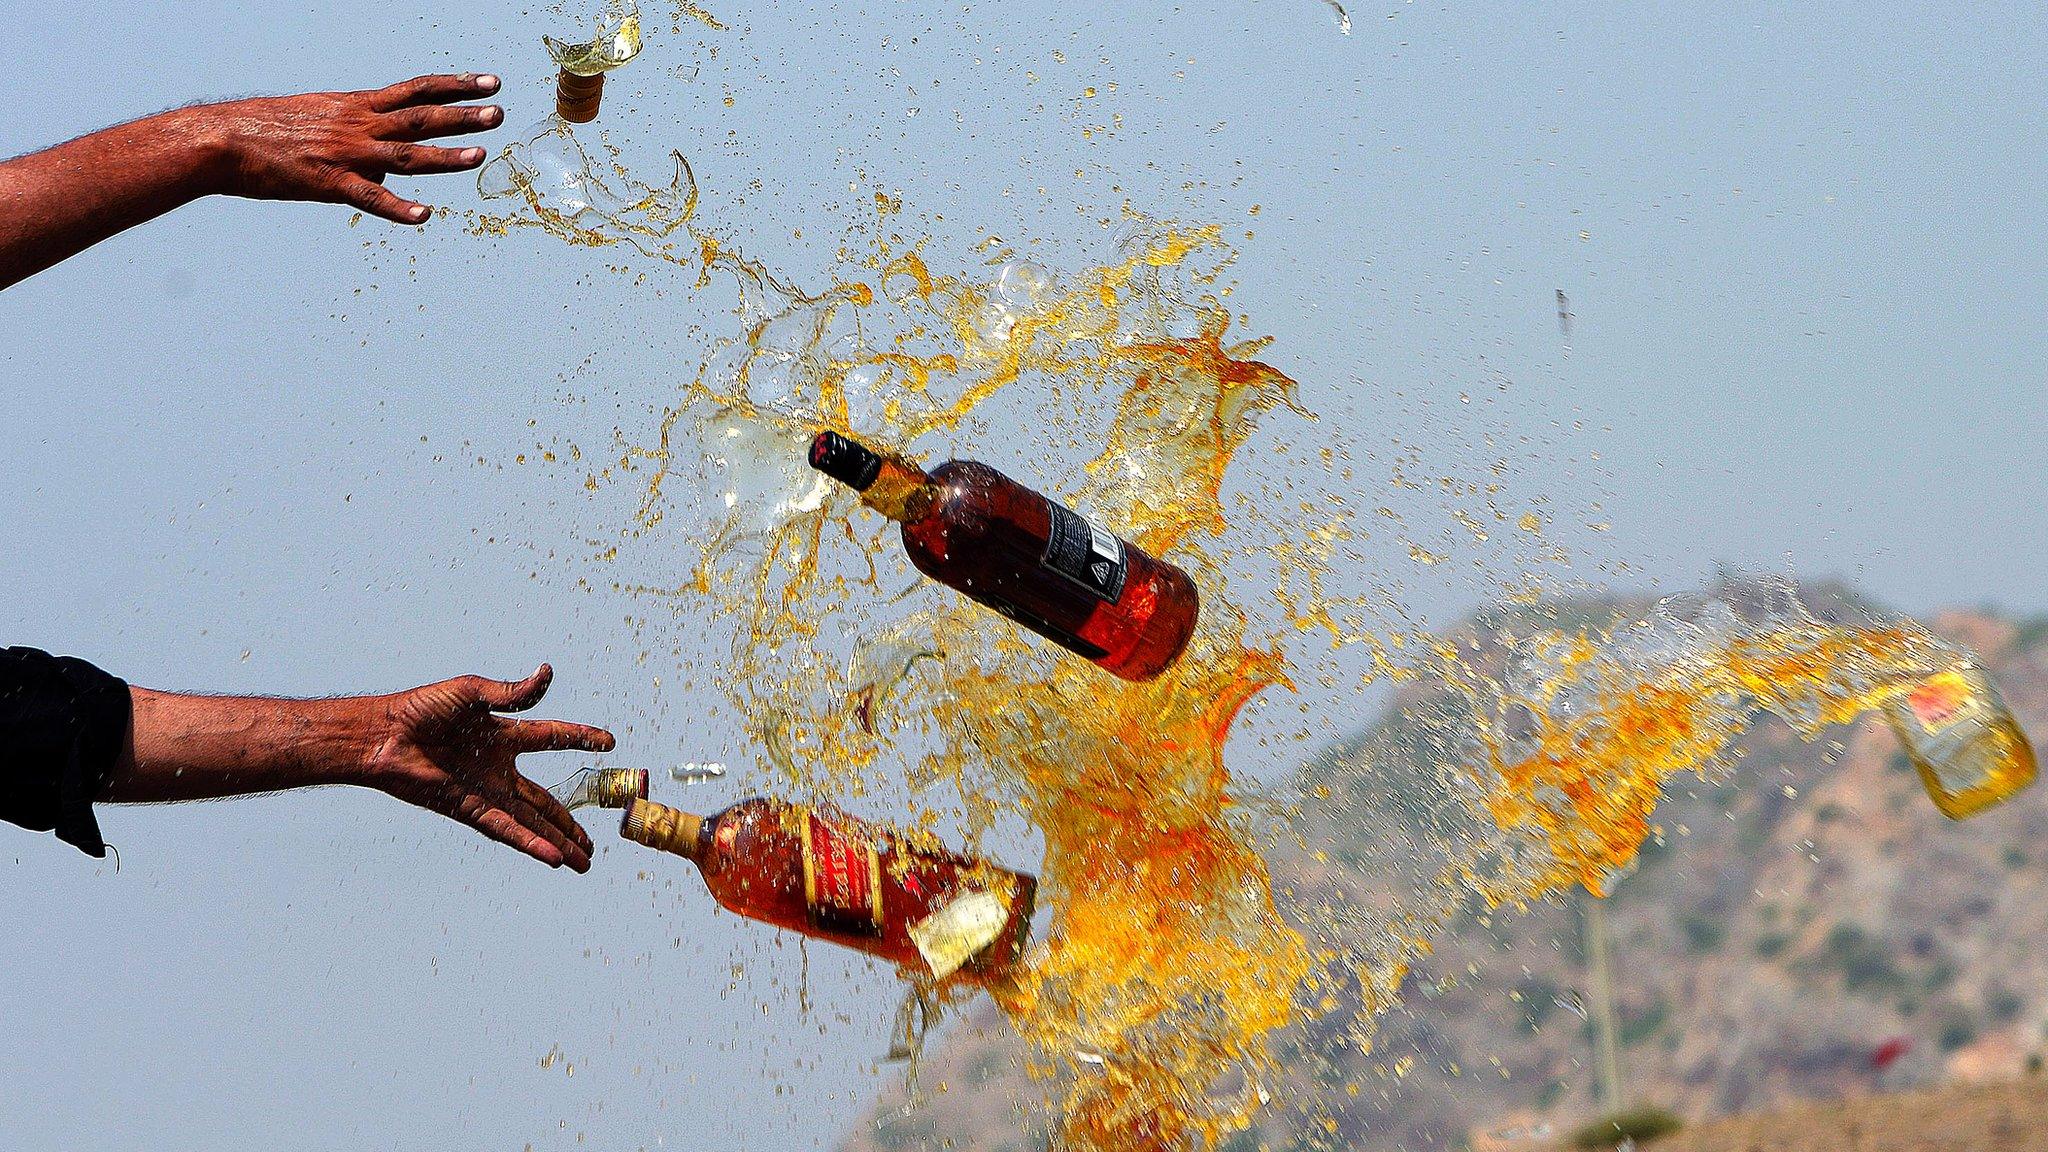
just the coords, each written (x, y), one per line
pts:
(334, 147)
(448, 750)
(446, 747)
(339, 146)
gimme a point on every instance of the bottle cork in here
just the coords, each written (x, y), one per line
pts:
(662, 827)
(577, 97)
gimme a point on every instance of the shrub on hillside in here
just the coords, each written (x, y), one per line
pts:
(1642, 1124)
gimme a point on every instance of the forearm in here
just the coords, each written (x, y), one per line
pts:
(65, 199)
(203, 747)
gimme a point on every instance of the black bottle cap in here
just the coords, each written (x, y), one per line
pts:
(845, 461)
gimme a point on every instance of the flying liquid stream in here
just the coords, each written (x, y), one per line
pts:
(1529, 755)
(1167, 965)
(554, 185)
(1165, 961)
(1569, 751)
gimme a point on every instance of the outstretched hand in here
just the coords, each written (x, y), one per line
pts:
(446, 749)
(338, 147)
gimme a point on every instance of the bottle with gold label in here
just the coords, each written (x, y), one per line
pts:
(829, 876)
(1032, 559)
(1959, 734)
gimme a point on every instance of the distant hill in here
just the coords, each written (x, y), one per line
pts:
(1787, 928)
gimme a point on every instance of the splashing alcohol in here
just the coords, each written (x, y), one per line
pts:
(553, 183)
(1166, 960)
(1570, 750)
(579, 87)
(1167, 965)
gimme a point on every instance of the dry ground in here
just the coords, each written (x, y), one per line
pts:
(1984, 1118)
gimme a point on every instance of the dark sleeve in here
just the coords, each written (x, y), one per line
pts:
(62, 724)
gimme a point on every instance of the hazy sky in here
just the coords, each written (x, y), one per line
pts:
(1803, 249)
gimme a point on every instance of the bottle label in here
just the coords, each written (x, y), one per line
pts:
(960, 931)
(842, 878)
(1085, 553)
(1942, 701)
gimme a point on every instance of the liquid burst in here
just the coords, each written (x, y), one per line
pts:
(1168, 964)
(1165, 961)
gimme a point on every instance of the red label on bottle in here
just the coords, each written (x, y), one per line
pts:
(842, 878)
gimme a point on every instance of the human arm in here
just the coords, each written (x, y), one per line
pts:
(443, 747)
(329, 146)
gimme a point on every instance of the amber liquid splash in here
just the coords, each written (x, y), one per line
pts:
(1168, 965)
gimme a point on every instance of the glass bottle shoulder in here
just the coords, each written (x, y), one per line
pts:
(972, 496)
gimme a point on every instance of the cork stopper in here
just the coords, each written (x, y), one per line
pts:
(577, 97)
(661, 827)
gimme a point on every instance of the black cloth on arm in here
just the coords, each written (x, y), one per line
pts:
(62, 723)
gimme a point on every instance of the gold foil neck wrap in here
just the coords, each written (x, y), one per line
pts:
(661, 827)
(577, 97)
(618, 787)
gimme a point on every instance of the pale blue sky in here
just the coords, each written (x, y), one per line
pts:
(1803, 247)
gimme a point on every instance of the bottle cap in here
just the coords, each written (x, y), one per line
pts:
(845, 461)
(577, 97)
(633, 824)
(662, 827)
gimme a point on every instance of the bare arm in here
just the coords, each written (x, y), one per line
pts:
(330, 146)
(442, 747)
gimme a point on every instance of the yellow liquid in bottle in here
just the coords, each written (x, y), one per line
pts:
(1963, 740)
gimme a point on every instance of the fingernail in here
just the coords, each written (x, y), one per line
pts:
(417, 212)
(487, 82)
(472, 155)
(491, 115)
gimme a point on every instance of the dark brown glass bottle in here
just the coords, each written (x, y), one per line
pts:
(1040, 563)
(850, 882)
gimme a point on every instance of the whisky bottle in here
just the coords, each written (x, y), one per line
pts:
(1963, 740)
(861, 885)
(601, 788)
(1038, 562)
